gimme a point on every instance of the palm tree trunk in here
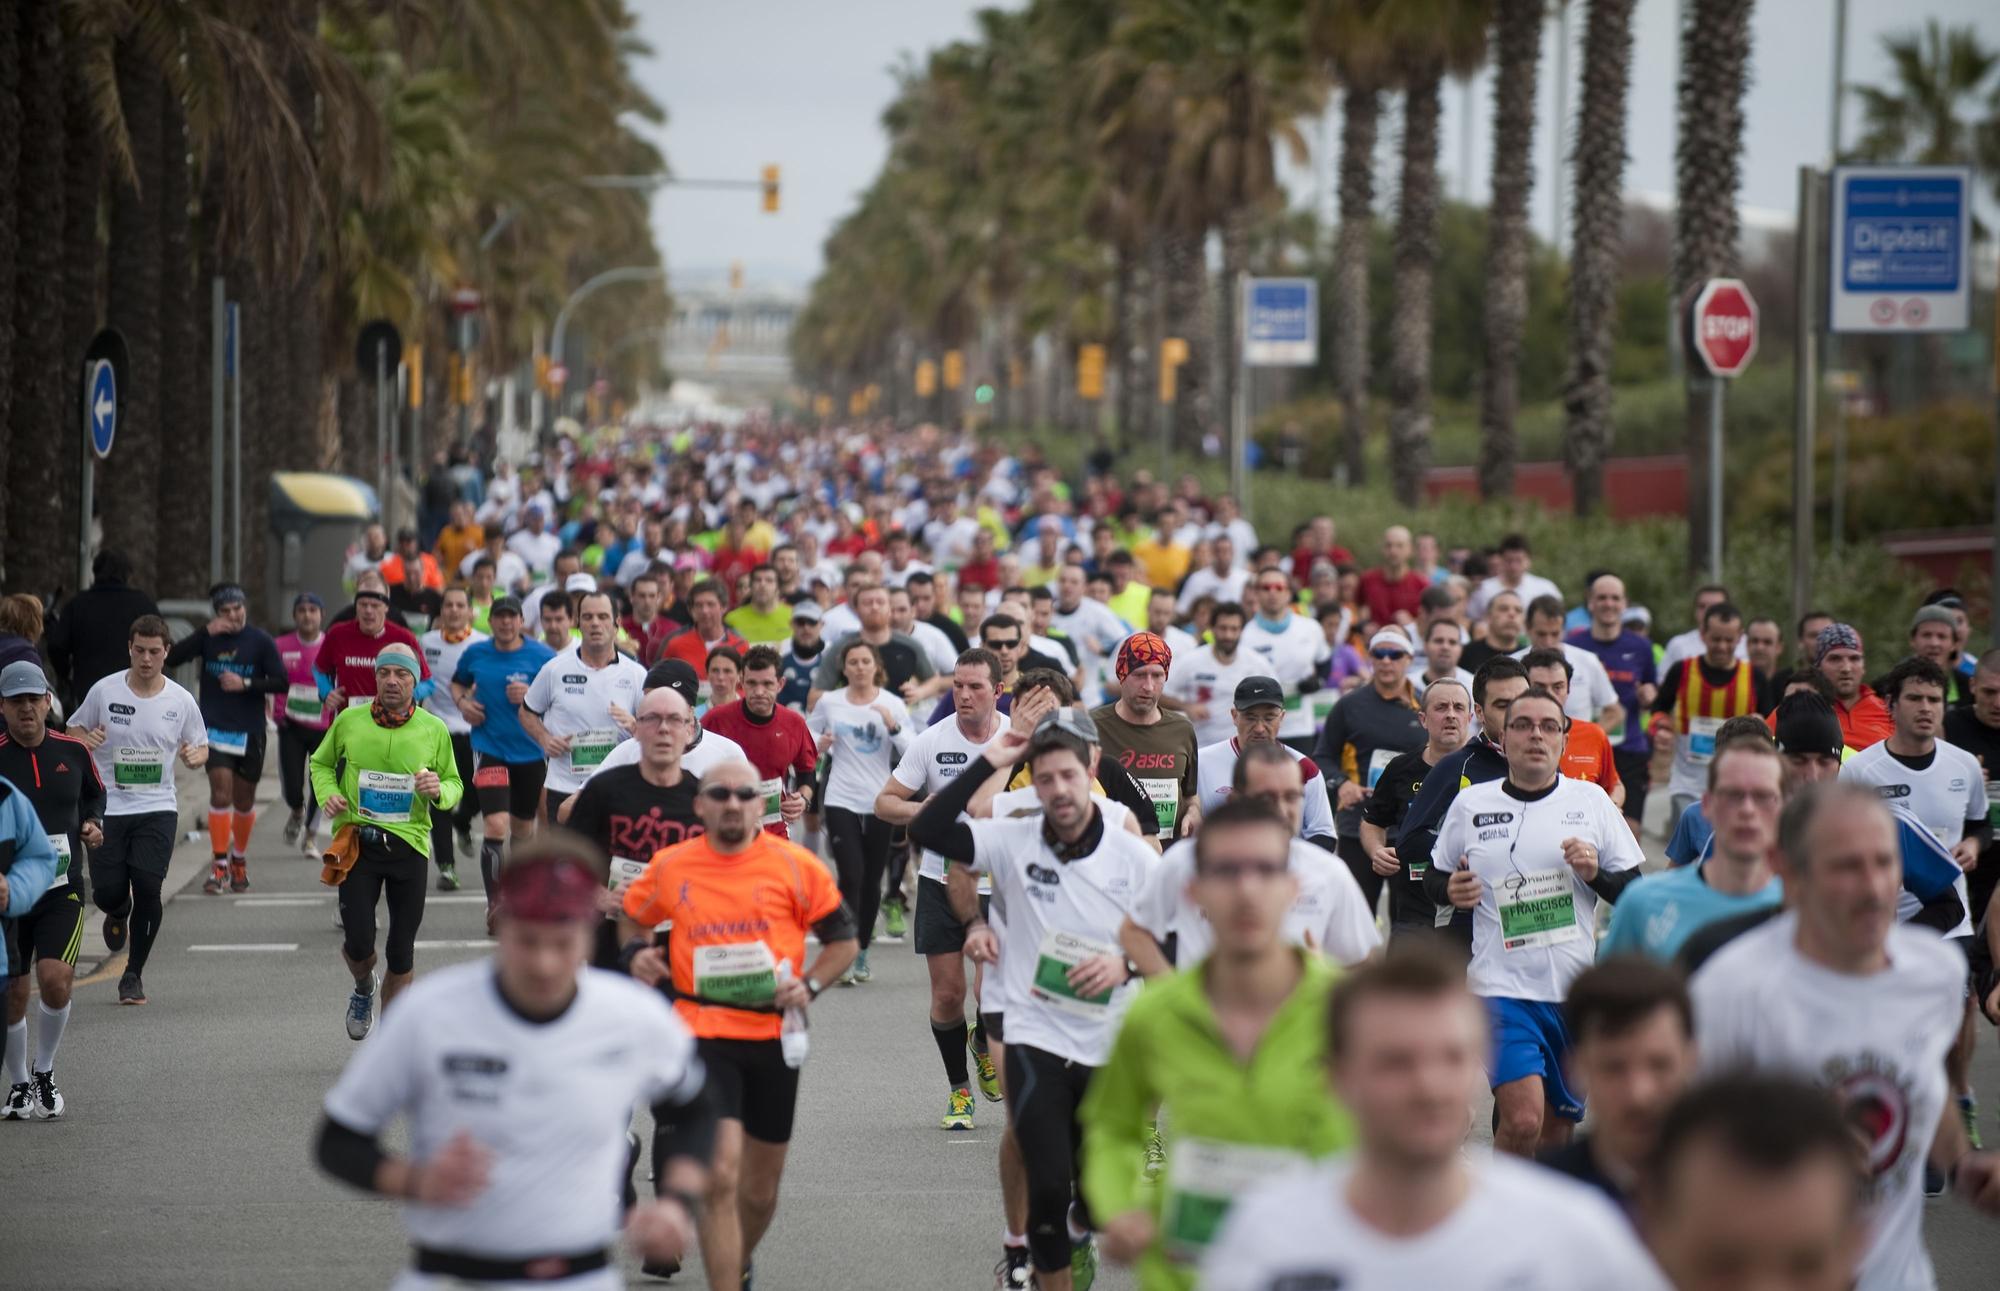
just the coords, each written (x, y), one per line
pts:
(1517, 33)
(1360, 115)
(1124, 340)
(10, 157)
(1186, 278)
(128, 481)
(83, 248)
(1715, 57)
(43, 396)
(1416, 268)
(1599, 210)
(184, 349)
(1235, 263)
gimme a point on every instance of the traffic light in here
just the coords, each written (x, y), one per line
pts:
(954, 369)
(926, 379)
(415, 359)
(542, 374)
(1173, 353)
(770, 190)
(983, 393)
(1090, 372)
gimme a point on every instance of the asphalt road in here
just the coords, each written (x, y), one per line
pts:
(184, 1160)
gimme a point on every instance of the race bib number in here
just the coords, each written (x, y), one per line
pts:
(302, 703)
(360, 701)
(1701, 739)
(234, 743)
(588, 749)
(1060, 952)
(1166, 799)
(60, 842)
(737, 973)
(138, 768)
(385, 796)
(1378, 762)
(774, 800)
(1204, 1179)
(623, 873)
(1537, 909)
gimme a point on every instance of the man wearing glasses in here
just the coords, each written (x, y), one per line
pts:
(1531, 855)
(1369, 728)
(1006, 637)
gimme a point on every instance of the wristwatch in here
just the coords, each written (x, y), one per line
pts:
(812, 988)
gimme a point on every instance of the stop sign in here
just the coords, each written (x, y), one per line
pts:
(1724, 326)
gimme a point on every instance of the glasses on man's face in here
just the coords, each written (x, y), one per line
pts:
(723, 793)
(1387, 654)
(1766, 798)
(1529, 726)
(1015, 644)
(668, 720)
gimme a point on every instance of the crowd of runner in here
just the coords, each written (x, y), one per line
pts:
(1235, 863)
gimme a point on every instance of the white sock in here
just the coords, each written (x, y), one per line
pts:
(17, 1053)
(1077, 1234)
(1013, 1239)
(48, 1034)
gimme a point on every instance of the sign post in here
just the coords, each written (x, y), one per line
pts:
(236, 442)
(1723, 323)
(1277, 327)
(377, 354)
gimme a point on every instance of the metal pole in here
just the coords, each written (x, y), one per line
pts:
(465, 367)
(1993, 604)
(1829, 343)
(537, 411)
(395, 425)
(218, 316)
(89, 494)
(382, 430)
(1715, 385)
(1561, 122)
(1239, 431)
(236, 441)
(1805, 387)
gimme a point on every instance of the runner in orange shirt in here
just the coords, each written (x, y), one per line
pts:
(740, 901)
(1587, 751)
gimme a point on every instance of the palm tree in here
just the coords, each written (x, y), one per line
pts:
(36, 538)
(1430, 41)
(83, 194)
(1942, 105)
(1517, 44)
(10, 155)
(1715, 61)
(1599, 207)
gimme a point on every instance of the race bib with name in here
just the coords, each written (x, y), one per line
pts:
(1166, 799)
(588, 749)
(303, 704)
(385, 796)
(138, 768)
(1537, 909)
(623, 873)
(736, 973)
(1058, 953)
(774, 795)
(1204, 1179)
(60, 842)
(234, 743)
(1701, 739)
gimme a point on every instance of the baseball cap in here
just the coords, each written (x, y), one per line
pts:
(808, 609)
(1389, 639)
(398, 655)
(1254, 692)
(22, 677)
(504, 605)
(677, 676)
(1637, 614)
(1071, 720)
(1806, 724)
(580, 582)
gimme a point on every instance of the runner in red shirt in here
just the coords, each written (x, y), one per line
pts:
(346, 661)
(1394, 592)
(706, 601)
(775, 740)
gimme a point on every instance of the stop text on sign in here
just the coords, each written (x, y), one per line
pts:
(1722, 327)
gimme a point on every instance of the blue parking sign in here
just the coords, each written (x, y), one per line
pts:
(1901, 245)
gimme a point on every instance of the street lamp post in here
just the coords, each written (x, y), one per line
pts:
(609, 278)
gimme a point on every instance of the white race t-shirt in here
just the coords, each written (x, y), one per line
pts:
(575, 700)
(1206, 582)
(1535, 927)
(938, 756)
(442, 656)
(1590, 689)
(1876, 1043)
(1533, 587)
(1291, 656)
(696, 760)
(1941, 798)
(142, 739)
(1060, 913)
(1198, 677)
(1215, 767)
(1023, 804)
(453, 1056)
(1330, 915)
(863, 751)
(1519, 1228)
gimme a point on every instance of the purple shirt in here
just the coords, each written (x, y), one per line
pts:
(1629, 661)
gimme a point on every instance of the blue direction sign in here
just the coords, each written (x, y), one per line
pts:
(1280, 322)
(1902, 239)
(100, 407)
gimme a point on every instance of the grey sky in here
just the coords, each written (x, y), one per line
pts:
(802, 83)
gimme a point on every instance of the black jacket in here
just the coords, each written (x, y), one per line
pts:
(87, 641)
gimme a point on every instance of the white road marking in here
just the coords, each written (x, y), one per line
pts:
(275, 946)
(271, 902)
(481, 944)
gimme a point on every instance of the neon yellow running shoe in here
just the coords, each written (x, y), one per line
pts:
(959, 1117)
(989, 1076)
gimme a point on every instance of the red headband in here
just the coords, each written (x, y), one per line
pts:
(549, 891)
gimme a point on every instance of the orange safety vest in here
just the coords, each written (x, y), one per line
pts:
(1699, 699)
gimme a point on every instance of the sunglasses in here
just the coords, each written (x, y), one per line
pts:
(723, 793)
(1388, 654)
(1015, 644)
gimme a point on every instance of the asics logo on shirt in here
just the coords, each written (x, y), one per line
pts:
(1133, 761)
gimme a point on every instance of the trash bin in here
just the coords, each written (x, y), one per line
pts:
(315, 518)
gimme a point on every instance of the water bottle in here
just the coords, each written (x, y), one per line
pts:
(792, 1037)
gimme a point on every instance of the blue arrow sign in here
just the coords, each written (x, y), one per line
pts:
(100, 411)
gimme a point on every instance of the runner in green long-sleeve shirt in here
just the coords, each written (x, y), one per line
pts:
(380, 771)
(1230, 1055)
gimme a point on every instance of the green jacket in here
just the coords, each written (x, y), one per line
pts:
(358, 748)
(1170, 1058)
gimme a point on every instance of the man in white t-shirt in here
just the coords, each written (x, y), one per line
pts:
(1513, 560)
(442, 646)
(705, 748)
(1592, 698)
(1406, 1208)
(1531, 855)
(1837, 992)
(1221, 578)
(1257, 708)
(1294, 650)
(137, 723)
(580, 705)
(1202, 682)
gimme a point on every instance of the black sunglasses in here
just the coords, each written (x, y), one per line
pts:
(723, 793)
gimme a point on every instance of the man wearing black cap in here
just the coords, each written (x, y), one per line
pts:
(1258, 708)
(240, 668)
(488, 685)
(802, 655)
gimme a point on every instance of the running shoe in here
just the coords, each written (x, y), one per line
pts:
(114, 932)
(1083, 1264)
(989, 1076)
(1015, 1271)
(447, 876)
(861, 973)
(218, 878)
(893, 921)
(48, 1099)
(293, 824)
(20, 1103)
(466, 848)
(748, 1277)
(1968, 1111)
(309, 845)
(239, 874)
(660, 1268)
(846, 977)
(959, 1115)
(130, 989)
(361, 1011)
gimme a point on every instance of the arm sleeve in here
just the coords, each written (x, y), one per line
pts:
(1117, 1117)
(188, 647)
(805, 764)
(270, 678)
(937, 826)
(90, 799)
(348, 1155)
(1670, 688)
(1610, 883)
(841, 925)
